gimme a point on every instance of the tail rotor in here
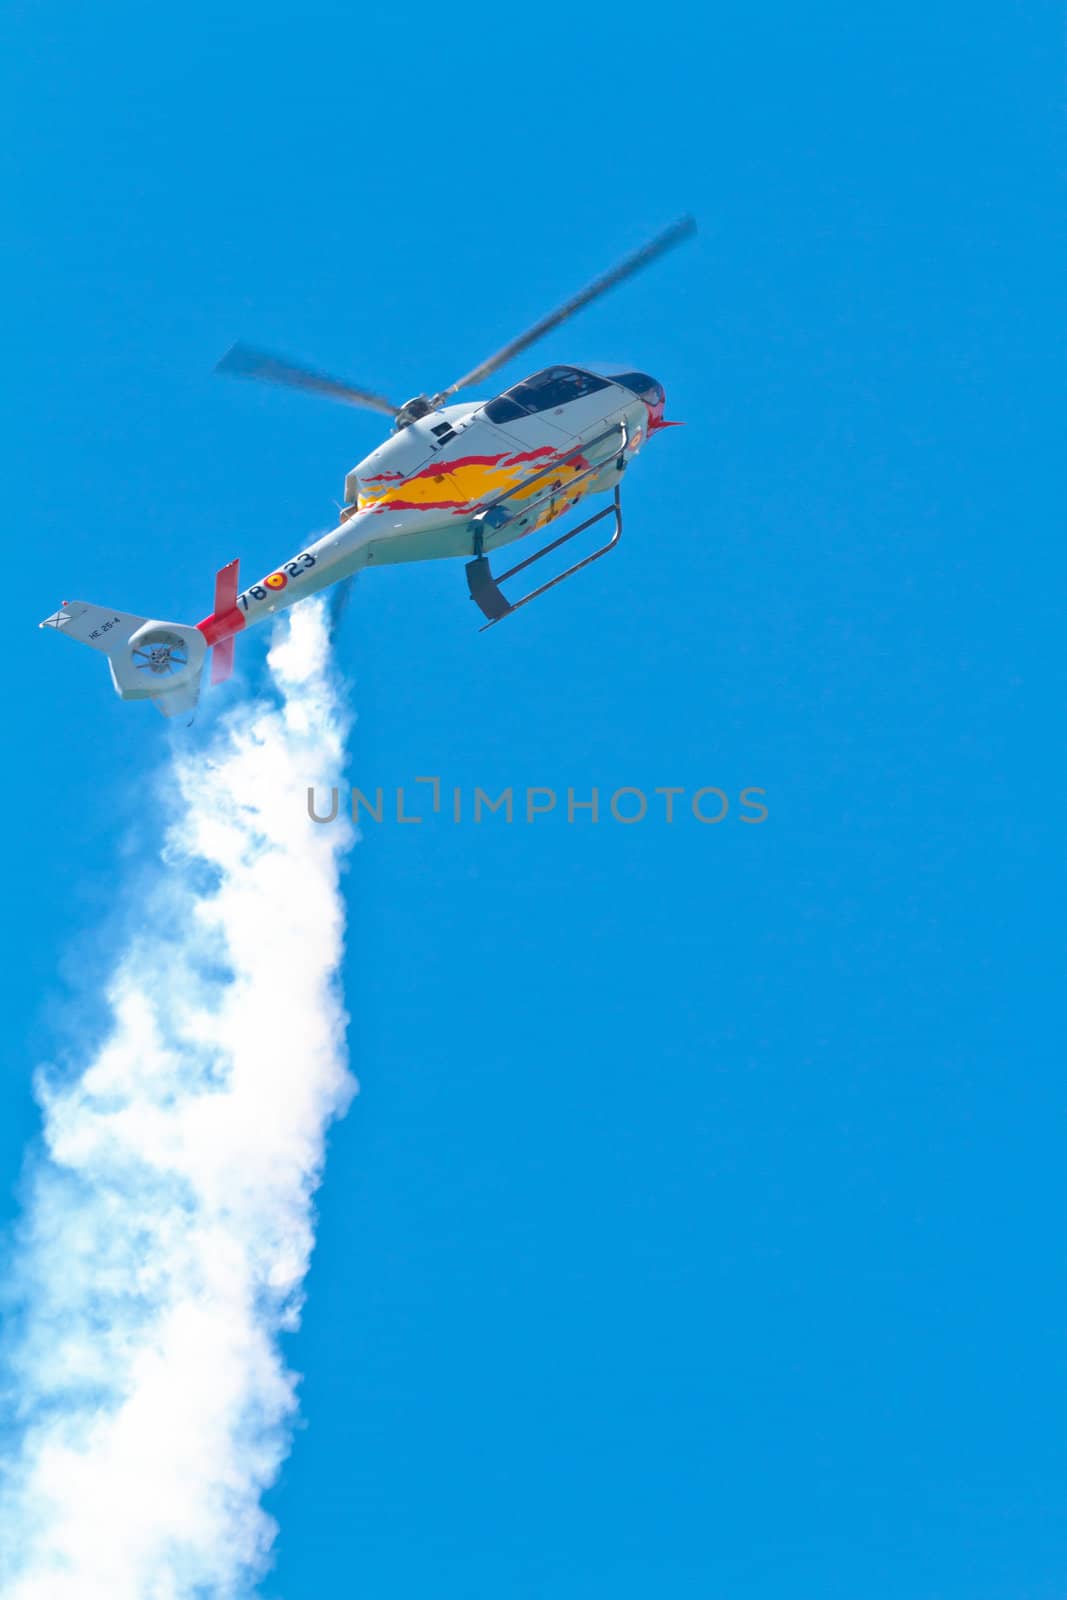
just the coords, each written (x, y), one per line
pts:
(149, 660)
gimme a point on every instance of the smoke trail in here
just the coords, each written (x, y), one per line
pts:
(169, 1222)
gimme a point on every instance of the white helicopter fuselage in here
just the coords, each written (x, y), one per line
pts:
(415, 497)
(454, 479)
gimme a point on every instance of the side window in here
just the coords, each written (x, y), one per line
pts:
(556, 385)
(588, 383)
(543, 392)
(504, 409)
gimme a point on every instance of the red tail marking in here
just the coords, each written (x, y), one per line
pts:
(226, 588)
(225, 621)
(222, 660)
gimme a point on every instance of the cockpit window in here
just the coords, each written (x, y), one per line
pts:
(641, 384)
(543, 392)
(504, 409)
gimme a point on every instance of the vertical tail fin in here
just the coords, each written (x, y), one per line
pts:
(225, 600)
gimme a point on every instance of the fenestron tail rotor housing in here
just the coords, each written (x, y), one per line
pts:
(160, 652)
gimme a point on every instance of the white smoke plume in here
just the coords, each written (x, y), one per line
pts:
(168, 1222)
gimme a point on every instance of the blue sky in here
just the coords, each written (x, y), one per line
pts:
(697, 1229)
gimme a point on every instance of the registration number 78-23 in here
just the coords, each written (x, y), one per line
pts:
(275, 582)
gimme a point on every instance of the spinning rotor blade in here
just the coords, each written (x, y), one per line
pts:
(242, 361)
(684, 228)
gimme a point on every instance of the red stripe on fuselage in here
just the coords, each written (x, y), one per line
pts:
(441, 469)
(535, 455)
(421, 505)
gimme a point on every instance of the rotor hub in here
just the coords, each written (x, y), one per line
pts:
(419, 405)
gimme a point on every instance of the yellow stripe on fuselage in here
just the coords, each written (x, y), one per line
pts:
(462, 485)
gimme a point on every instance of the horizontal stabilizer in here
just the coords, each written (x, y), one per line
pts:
(97, 626)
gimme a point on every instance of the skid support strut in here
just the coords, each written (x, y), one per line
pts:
(485, 588)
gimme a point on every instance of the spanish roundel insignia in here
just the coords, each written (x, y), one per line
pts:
(277, 580)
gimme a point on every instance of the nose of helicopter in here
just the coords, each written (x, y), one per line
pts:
(656, 401)
(647, 388)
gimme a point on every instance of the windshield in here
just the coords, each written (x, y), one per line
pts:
(641, 384)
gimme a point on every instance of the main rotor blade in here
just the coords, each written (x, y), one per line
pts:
(684, 228)
(242, 361)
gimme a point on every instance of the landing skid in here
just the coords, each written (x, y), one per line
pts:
(485, 589)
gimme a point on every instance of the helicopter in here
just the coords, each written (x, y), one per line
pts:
(454, 478)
